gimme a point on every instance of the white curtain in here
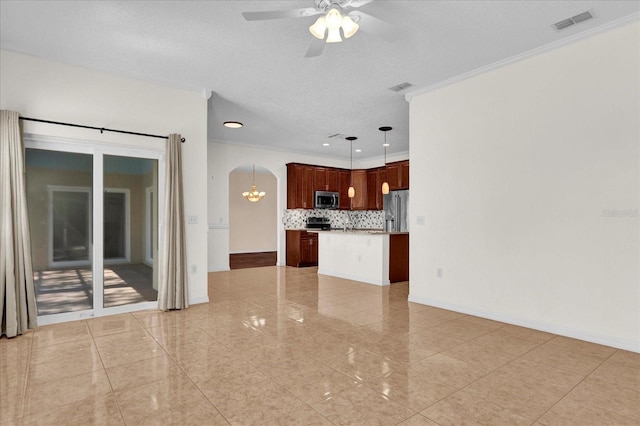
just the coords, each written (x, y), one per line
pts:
(173, 289)
(18, 308)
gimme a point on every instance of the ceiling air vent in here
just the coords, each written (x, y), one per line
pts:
(336, 136)
(581, 17)
(400, 87)
(563, 24)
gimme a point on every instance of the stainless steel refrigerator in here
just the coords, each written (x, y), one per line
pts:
(396, 211)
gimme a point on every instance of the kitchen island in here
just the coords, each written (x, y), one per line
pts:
(374, 257)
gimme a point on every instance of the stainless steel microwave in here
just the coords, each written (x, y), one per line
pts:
(326, 200)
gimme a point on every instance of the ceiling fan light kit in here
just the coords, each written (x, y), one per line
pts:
(318, 28)
(338, 19)
(333, 21)
(349, 27)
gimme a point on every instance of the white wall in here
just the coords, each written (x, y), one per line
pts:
(518, 166)
(53, 91)
(253, 227)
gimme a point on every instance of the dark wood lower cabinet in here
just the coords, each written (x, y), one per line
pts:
(398, 257)
(302, 248)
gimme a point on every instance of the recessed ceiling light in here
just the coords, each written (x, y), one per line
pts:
(326, 144)
(385, 144)
(232, 124)
(358, 150)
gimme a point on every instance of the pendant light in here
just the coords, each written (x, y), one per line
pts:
(352, 191)
(385, 184)
(253, 195)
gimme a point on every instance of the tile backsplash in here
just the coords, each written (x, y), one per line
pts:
(362, 219)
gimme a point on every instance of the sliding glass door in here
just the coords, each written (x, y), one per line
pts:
(59, 188)
(128, 277)
(81, 269)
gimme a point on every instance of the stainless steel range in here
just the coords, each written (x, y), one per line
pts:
(318, 223)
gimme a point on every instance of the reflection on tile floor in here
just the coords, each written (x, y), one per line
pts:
(281, 345)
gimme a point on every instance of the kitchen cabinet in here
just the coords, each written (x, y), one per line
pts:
(303, 180)
(375, 177)
(325, 179)
(398, 257)
(302, 248)
(344, 178)
(300, 186)
(332, 180)
(404, 174)
(320, 179)
(398, 175)
(359, 202)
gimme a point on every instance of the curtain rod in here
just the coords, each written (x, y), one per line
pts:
(102, 129)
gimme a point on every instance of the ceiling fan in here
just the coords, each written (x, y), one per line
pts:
(336, 15)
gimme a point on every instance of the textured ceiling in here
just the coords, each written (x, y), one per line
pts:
(257, 70)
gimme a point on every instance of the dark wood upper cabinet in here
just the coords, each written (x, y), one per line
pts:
(359, 202)
(294, 175)
(303, 180)
(320, 179)
(393, 174)
(398, 175)
(307, 188)
(375, 177)
(332, 180)
(300, 186)
(344, 178)
(404, 174)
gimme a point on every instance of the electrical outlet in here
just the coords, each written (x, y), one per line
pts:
(192, 220)
(194, 269)
(420, 220)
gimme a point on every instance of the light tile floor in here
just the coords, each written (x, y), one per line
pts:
(279, 346)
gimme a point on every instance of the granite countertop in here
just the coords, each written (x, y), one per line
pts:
(356, 231)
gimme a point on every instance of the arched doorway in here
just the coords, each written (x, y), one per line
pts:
(253, 226)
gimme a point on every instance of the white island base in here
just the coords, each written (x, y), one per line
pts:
(354, 255)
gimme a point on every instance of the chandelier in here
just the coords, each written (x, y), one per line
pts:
(253, 195)
(332, 21)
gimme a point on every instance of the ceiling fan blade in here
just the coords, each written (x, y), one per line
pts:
(359, 3)
(281, 14)
(372, 25)
(315, 48)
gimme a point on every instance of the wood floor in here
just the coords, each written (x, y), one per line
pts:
(252, 260)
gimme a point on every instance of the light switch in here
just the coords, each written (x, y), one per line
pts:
(420, 220)
(192, 220)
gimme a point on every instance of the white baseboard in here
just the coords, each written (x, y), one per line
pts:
(629, 345)
(352, 277)
(219, 268)
(199, 300)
